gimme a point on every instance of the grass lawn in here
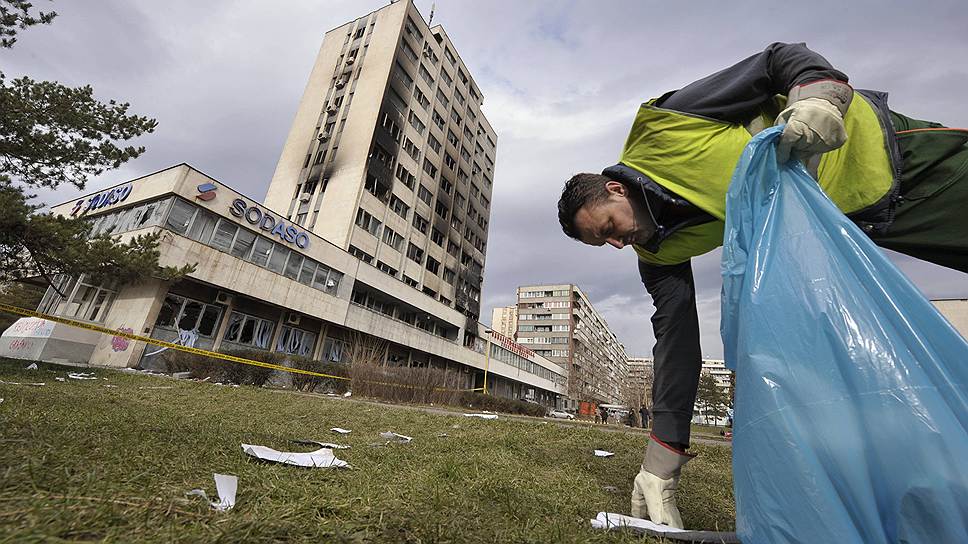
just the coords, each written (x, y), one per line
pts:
(80, 461)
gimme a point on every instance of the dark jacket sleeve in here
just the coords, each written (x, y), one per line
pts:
(677, 353)
(736, 93)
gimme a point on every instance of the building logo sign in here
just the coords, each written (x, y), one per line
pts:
(269, 223)
(101, 200)
(206, 192)
(511, 345)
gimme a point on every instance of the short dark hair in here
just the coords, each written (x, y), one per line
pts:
(581, 190)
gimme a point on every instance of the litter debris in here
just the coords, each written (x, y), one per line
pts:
(394, 437)
(321, 458)
(226, 485)
(341, 430)
(31, 366)
(156, 387)
(442, 435)
(348, 394)
(482, 416)
(82, 375)
(610, 488)
(322, 444)
(109, 385)
(607, 520)
(58, 378)
(603, 453)
(38, 384)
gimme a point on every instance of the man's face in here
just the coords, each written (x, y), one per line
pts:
(617, 221)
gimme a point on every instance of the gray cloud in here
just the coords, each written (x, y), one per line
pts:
(560, 78)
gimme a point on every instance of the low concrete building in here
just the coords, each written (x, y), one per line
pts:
(263, 282)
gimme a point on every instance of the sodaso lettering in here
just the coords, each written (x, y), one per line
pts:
(267, 222)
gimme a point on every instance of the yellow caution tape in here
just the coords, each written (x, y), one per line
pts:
(148, 340)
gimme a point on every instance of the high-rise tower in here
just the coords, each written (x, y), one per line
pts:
(390, 157)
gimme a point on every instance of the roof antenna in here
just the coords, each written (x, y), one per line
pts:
(432, 6)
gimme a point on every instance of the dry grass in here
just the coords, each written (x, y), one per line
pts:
(84, 462)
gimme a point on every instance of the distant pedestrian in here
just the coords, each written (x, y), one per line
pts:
(604, 414)
(644, 413)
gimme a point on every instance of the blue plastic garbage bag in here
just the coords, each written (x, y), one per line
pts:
(851, 411)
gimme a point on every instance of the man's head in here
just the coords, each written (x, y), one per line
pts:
(597, 210)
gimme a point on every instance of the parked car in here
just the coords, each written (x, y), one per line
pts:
(558, 414)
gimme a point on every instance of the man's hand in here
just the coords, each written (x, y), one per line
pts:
(655, 498)
(654, 488)
(814, 120)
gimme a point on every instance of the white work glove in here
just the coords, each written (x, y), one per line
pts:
(655, 498)
(814, 120)
(654, 488)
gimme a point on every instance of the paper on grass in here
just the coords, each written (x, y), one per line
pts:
(321, 458)
(607, 520)
(31, 366)
(329, 445)
(226, 485)
(482, 416)
(603, 453)
(341, 430)
(38, 384)
(82, 375)
(394, 437)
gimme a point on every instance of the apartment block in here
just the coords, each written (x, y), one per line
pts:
(559, 322)
(641, 376)
(390, 158)
(504, 320)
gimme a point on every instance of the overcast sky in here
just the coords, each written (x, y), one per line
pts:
(561, 81)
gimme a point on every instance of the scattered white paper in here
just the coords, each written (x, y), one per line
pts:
(442, 435)
(226, 485)
(482, 416)
(58, 378)
(603, 453)
(341, 430)
(394, 437)
(156, 387)
(321, 458)
(348, 394)
(329, 445)
(82, 375)
(109, 385)
(606, 520)
(38, 384)
(31, 366)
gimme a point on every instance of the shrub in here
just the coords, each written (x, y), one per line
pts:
(231, 372)
(305, 382)
(480, 401)
(406, 384)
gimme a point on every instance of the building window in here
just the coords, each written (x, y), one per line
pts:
(456, 117)
(426, 76)
(85, 300)
(420, 223)
(411, 149)
(429, 168)
(408, 51)
(424, 194)
(447, 79)
(449, 275)
(421, 99)
(433, 265)
(392, 239)
(415, 254)
(360, 254)
(410, 281)
(442, 98)
(386, 269)
(449, 56)
(184, 314)
(450, 162)
(405, 176)
(457, 96)
(249, 330)
(416, 123)
(434, 143)
(403, 76)
(441, 210)
(452, 138)
(438, 120)
(437, 237)
(367, 222)
(393, 130)
(399, 207)
(453, 248)
(296, 341)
